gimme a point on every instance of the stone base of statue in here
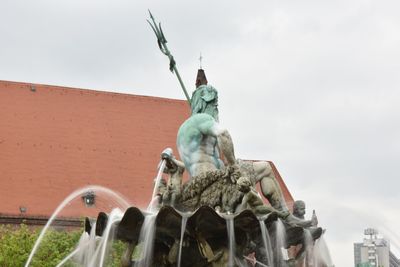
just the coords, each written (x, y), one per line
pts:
(206, 238)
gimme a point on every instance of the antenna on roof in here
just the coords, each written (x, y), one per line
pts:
(162, 44)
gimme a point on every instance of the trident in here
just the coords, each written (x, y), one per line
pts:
(162, 44)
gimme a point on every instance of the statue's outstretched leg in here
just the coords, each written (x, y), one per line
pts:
(271, 190)
(270, 187)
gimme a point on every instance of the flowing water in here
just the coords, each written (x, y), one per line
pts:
(87, 246)
(232, 243)
(309, 247)
(280, 240)
(154, 200)
(146, 237)
(183, 228)
(321, 253)
(111, 195)
(114, 217)
(67, 258)
(266, 242)
(93, 251)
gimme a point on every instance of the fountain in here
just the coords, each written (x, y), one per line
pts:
(215, 218)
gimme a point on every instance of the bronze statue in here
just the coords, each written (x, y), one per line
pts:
(219, 199)
(299, 210)
(252, 200)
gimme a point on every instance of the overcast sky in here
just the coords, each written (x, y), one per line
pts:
(311, 85)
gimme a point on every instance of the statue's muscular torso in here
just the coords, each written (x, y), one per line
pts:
(197, 144)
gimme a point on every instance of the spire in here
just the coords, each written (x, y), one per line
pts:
(201, 78)
(200, 59)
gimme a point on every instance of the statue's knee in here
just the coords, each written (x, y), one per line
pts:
(267, 185)
(262, 169)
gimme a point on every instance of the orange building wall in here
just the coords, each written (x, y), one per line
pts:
(54, 140)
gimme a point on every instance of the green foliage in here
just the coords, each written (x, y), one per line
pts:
(55, 246)
(17, 243)
(114, 257)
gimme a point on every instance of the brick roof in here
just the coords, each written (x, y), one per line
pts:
(54, 140)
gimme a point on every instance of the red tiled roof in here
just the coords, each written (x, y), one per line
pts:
(54, 140)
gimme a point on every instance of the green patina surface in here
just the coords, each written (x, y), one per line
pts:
(191, 136)
(205, 100)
